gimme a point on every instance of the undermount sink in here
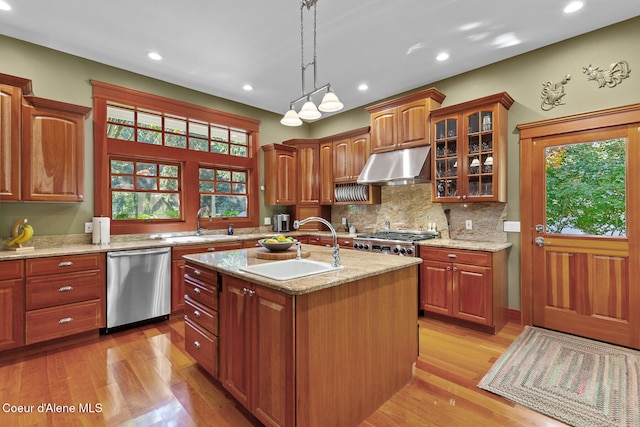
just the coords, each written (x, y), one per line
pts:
(289, 269)
(195, 239)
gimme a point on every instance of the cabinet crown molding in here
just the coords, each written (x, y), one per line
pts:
(432, 93)
(50, 104)
(502, 98)
(23, 84)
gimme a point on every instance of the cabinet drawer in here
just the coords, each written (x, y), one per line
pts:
(202, 346)
(315, 240)
(63, 264)
(201, 292)
(205, 317)
(49, 323)
(201, 273)
(11, 269)
(456, 255)
(47, 291)
(178, 251)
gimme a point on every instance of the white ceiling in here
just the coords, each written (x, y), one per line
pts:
(217, 46)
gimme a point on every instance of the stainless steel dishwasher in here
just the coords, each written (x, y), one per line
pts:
(138, 286)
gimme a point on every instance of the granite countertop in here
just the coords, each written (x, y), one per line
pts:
(466, 244)
(355, 266)
(144, 243)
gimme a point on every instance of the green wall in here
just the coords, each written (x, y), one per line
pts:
(66, 78)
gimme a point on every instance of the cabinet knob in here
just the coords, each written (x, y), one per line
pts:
(65, 288)
(65, 320)
(196, 344)
(455, 268)
(196, 272)
(196, 313)
(80, 196)
(196, 291)
(448, 268)
(464, 197)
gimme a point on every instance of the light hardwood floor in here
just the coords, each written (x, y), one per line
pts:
(144, 377)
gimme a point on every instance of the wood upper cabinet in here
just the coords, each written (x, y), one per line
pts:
(11, 91)
(403, 122)
(350, 154)
(280, 174)
(256, 351)
(466, 285)
(11, 304)
(308, 170)
(53, 150)
(326, 173)
(469, 144)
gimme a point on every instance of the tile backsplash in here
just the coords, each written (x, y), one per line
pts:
(409, 207)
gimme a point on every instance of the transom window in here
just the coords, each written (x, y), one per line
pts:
(129, 123)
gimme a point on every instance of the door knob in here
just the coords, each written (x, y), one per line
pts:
(539, 241)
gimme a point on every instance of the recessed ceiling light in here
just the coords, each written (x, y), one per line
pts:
(442, 56)
(574, 6)
(4, 5)
(247, 87)
(154, 55)
(363, 87)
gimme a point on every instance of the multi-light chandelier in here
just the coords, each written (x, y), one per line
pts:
(330, 102)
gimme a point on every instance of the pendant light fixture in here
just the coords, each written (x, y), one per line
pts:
(330, 102)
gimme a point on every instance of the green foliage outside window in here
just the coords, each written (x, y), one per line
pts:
(585, 188)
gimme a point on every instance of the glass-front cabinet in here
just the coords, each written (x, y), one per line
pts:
(469, 150)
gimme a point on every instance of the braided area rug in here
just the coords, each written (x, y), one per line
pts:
(575, 380)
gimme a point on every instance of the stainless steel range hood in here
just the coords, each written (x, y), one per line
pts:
(406, 166)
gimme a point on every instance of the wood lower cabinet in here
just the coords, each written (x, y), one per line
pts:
(465, 285)
(201, 317)
(64, 295)
(178, 271)
(11, 304)
(256, 358)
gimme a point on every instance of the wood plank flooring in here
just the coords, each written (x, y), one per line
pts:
(144, 377)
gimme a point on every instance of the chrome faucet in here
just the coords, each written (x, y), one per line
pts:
(336, 248)
(201, 212)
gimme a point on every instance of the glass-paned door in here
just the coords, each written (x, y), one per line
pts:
(479, 155)
(580, 245)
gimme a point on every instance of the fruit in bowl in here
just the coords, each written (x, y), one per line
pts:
(277, 243)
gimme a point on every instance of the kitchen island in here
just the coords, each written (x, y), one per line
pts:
(326, 349)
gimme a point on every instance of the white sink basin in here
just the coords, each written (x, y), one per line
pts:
(195, 239)
(289, 269)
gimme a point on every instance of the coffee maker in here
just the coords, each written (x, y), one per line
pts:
(281, 222)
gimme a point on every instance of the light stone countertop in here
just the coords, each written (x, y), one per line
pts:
(75, 249)
(356, 265)
(466, 244)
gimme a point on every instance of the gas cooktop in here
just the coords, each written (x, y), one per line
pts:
(400, 235)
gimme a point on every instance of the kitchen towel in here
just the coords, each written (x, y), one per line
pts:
(101, 231)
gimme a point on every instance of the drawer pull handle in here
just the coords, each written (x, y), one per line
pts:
(452, 256)
(248, 291)
(196, 272)
(65, 288)
(65, 264)
(211, 249)
(196, 291)
(65, 320)
(196, 344)
(196, 313)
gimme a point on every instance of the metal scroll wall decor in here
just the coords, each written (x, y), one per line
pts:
(552, 93)
(617, 72)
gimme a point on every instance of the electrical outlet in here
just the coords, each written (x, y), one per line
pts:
(88, 227)
(267, 220)
(344, 221)
(469, 224)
